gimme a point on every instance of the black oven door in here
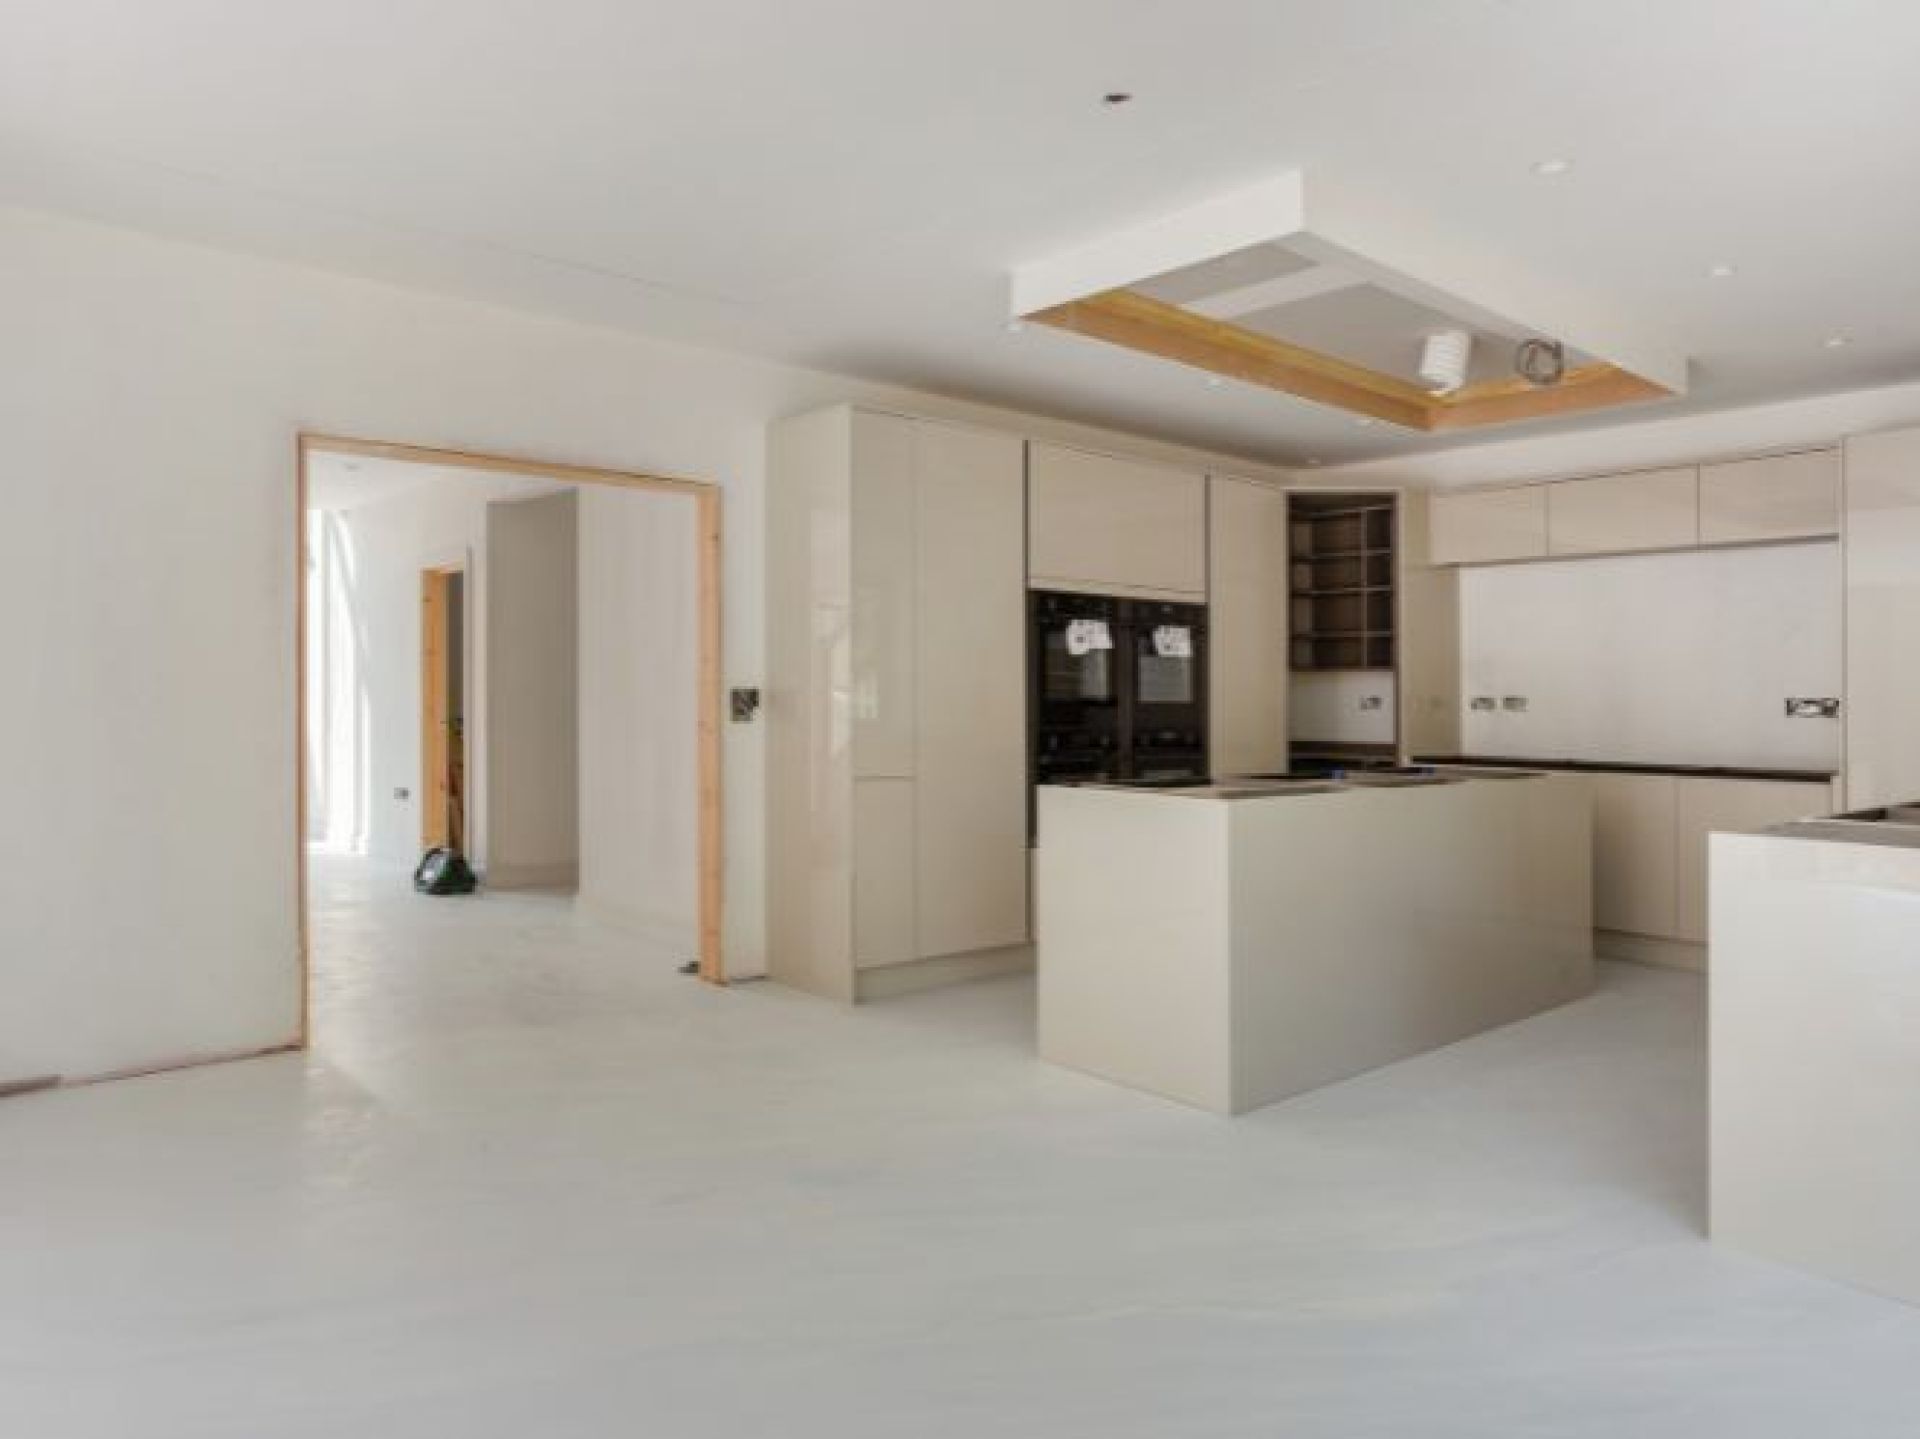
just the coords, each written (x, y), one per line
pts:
(1075, 694)
(1167, 683)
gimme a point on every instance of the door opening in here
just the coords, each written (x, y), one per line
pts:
(443, 752)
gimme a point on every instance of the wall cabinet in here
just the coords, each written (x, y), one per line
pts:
(1483, 526)
(896, 695)
(1247, 625)
(1096, 522)
(1882, 559)
(1614, 514)
(1775, 497)
(1706, 805)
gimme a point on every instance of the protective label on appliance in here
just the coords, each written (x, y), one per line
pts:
(1086, 636)
(1173, 642)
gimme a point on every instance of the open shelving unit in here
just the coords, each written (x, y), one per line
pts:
(1341, 561)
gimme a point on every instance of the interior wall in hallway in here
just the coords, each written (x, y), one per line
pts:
(532, 692)
(639, 760)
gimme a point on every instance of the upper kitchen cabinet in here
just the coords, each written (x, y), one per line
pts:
(1484, 526)
(1614, 514)
(1099, 523)
(1775, 497)
(1247, 627)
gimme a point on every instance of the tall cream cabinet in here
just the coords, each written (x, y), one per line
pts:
(1247, 627)
(896, 702)
(1881, 555)
(1115, 526)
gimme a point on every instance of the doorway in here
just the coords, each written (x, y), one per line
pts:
(449, 604)
(443, 629)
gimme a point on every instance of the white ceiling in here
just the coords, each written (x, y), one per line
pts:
(846, 183)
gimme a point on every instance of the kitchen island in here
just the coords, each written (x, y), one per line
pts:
(1230, 944)
(1814, 1066)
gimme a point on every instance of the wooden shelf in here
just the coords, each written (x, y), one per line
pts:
(1342, 595)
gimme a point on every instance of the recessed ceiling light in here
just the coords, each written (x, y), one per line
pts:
(1014, 327)
(1117, 97)
(1721, 271)
(1363, 420)
(1313, 462)
(1214, 382)
(1548, 168)
(1837, 342)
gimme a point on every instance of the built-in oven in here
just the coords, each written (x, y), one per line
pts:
(1117, 689)
(1166, 678)
(1074, 691)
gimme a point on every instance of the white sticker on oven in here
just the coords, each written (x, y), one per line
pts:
(1173, 642)
(1086, 636)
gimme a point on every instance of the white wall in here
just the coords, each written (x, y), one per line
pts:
(1334, 706)
(639, 668)
(153, 394)
(532, 688)
(1682, 658)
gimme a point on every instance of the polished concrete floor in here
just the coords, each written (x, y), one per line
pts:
(533, 1183)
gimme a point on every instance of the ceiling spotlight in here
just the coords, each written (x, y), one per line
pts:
(1547, 169)
(1837, 342)
(1443, 360)
(1540, 363)
(1721, 271)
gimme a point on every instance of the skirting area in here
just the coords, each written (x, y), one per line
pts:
(533, 1182)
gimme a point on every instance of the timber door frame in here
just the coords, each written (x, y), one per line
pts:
(707, 538)
(436, 707)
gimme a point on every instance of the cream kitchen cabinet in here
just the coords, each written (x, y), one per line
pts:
(1482, 526)
(896, 709)
(1613, 514)
(1097, 522)
(1634, 853)
(1247, 627)
(1882, 562)
(1706, 804)
(1774, 497)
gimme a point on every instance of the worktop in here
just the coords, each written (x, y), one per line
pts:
(1230, 944)
(1591, 766)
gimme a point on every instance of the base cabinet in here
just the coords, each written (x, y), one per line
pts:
(1707, 806)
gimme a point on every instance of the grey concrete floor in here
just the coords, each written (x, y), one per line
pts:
(531, 1182)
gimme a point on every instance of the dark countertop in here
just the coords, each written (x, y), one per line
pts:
(1595, 766)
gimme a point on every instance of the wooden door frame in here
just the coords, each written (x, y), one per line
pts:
(436, 697)
(706, 496)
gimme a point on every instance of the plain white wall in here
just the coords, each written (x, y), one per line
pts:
(147, 571)
(1329, 707)
(639, 667)
(532, 686)
(1682, 658)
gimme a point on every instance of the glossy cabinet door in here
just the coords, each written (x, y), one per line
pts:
(1707, 805)
(1776, 497)
(970, 830)
(1634, 886)
(880, 682)
(1102, 523)
(1483, 526)
(1614, 514)
(884, 908)
(1882, 560)
(1247, 627)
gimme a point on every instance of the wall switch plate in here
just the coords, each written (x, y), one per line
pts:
(1813, 708)
(1516, 703)
(1483, 703)
(743, 705)
(1372, 702)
